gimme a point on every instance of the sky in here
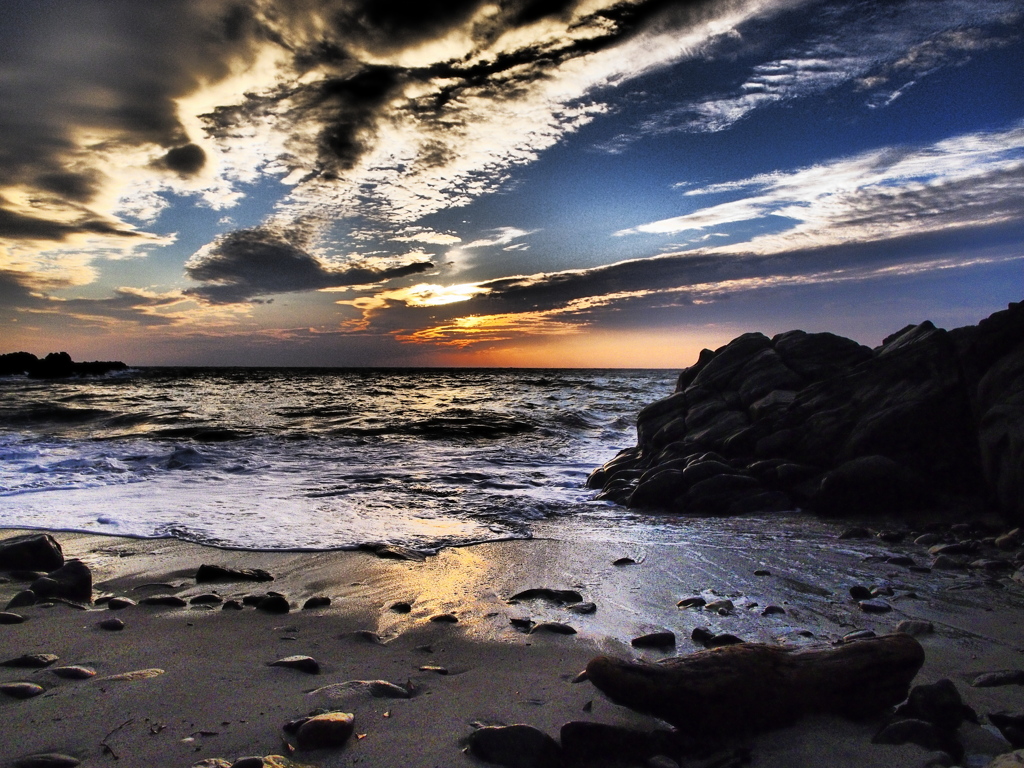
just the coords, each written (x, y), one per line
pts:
(552, 183)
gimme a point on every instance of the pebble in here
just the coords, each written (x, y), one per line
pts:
(74, 672)
(1003, 677)
(771, 610)
(436, 670)
(318, 601)
(858, 634)
(231, 605)
(582, 608)
(47, 760)
(170, 601)
(555, 595)
(702, 635)
(855, 533)
(445, 618)
(117, 603)
(305, 664)
(655, 640)
(927, 539)
(892, 537)
(874, 606)
(11, 618)
(21, 690)
(724, 639)
(212, 762)
(207, 599)
(915, 627)
(135, 675)
(523, 625)
(22, 599)
(900, 560)
(1010, 541)
(515, 746)
(947, 563)
(248, 762)
(913, 731)
(208, 573)
(401, 607)
(325, 731)
(762, 572)
(722, 607)
(553, 627)
(624, 561)
(692, 602)
(938, 759)
(959, 548)
(274, 604)
(368, 636)
(31, 661)
(858, 592)
(111, 625)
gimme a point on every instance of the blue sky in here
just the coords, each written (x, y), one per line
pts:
(530, 182)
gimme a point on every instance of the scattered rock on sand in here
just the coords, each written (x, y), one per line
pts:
(722, 607)
(74, 672)
(305, 664)
(445, 618)
(655, 640)
(772, 610)
(915, 627)
(11, 618)
(587, 743)
(274, 604)
(435, 669)
(939, 703)
(401, 607)
(874, 606)
(379, 689)
(515, 746)
(325, 731)
(318, 601)
(111, 625)
(913, 731)
(207, 599)
(582, 608)
(118, 603)
(231, 605)
(207, 573)
(692, 602)
(368, 636)
(31, 661)
(72, 581)
(32, 552)
(169, 601)
(1003, 677)
(554, 595)
(624, 561)
(553, 627)
(24, 598)
(1011, 725)
(394, 552)
(47, 760)
(21, 690)
(1009, 760)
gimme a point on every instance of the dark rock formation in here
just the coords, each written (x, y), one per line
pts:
(813, 420)
(31, 552)
(72, 581)
(56, 365)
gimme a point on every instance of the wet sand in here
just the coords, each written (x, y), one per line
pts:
(216, 696)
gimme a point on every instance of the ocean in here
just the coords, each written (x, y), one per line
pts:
(315, 458)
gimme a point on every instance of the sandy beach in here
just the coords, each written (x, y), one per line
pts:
(217, 697)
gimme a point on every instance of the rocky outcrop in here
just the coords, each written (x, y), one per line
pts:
(56, 365)
(814, 420)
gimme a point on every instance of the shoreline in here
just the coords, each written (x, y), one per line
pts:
(217, 690)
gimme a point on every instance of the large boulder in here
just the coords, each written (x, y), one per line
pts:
(72, 581)
(31, 552)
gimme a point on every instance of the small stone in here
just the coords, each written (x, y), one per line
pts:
(919, 568)
(762, 572)
(915, 627)
(72, 581)
(1003, 677)
(168, 601)
(47, 760)
(900, 560)
(274, 604)
(891, 537)
(31, 661)
(135, 675)
(855, 533)
(401, 607)
(231, 605)
(724, 639)
(74, 672)
(874, 606)
(21, 690)
(318, 601)
(857, 592)
(959, 548)
(581, 677)
(582, 608)
(305, 664)
(207, 599)
(23, 599)
(655, 640)
(914, 731)
(702, 635)
(515, 746)
(368, 636)
(771, 610)
(692, 602)
(435, 669)
(858, 634)
(720, 606)
(11, 618)
(117, 603)
(207, 573)
(523, 625)
(554, 595)
(248, 762)
(992, 566)
(553, 627)
(883, 590)
(927, 539)
(624, 561)
(445, 618)
(1010, 541)
(947, 563)
(395, 552)
(111, 625)
(325, 731)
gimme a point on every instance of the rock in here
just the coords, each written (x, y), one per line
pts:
(902, 560)
(169, 601)
(444, 618)
(274, 604)
(772, 610)
(23, 599)
(723, 639)
(874, 606)
(394, 552)
(762, 572)
(597, 744)
(378, 689)
(692, 602)
(11, 618)
(47, 760)
(249, 762)
(915, 627)
(522, 624)
(74, 672)
(927, 539)
(702, 635)
(938, 759)
(31, 661)
(401, 607)
(554, 595)
(111, 625)
(655, 640)
(326, 731)
(980, 740)
(21, 690)
(318, 601)
(305, 664)
(1003, 677)
(207, 573)
(891, 537)
(434, 668)
(32, 552)
(722, 607)
(119, 603)
(515, 746)
(947, 563)
(1009, 760)
(858, 592)
(368, 636)
(552, 627)
(958, 548)
(1010, 541)
(912, 731)
(624, 561)
(855, 533)
(231, 605)
(72, 581)
(858, 634)
(870, 485)
(207, 599)
(213, 762)
(938, 703)
(1011, 725)
(582, 608)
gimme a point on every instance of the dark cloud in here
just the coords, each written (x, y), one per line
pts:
(250, 263)
(186, 160)
(17, 226)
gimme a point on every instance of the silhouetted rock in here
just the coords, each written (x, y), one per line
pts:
(930, 417)
(56, 365)
(72, 581)
(32, 552)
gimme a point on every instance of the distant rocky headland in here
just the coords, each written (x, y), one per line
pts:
(930, 420)
(56, 365)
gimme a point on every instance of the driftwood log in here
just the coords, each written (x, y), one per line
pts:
(752, 687)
